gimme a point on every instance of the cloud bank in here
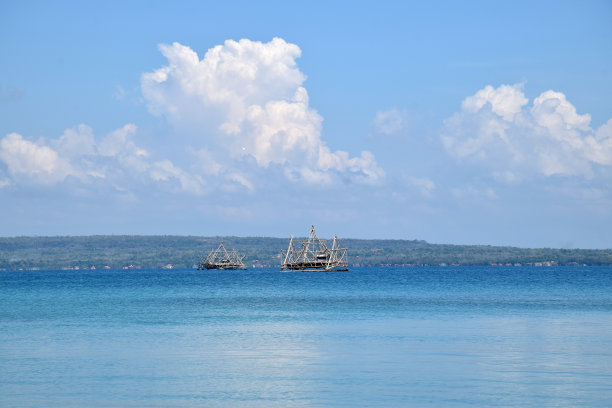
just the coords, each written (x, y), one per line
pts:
(499, 128)
(77, 154)
(241, 116)
(244, 99)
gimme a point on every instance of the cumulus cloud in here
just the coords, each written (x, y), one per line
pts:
(500, 129)
(506, 101)
(78, 141)
(38, 162)
(77, 153)
(251, 95)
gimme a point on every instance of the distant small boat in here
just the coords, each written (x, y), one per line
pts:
(221, 258)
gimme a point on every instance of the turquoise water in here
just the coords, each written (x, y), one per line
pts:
(388, 337)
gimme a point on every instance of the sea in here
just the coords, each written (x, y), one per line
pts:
(516, 336)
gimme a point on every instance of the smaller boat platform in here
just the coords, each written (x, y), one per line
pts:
(314, 255)
(221, 258)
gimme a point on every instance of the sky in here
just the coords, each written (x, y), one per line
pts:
(451, 122)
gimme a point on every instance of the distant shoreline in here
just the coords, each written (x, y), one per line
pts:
(173, 251)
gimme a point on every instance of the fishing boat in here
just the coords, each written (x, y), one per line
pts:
(221, 258)
(314, 255)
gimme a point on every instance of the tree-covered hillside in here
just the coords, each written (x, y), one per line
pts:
(185, 251)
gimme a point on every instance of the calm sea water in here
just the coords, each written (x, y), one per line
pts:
(387, 337)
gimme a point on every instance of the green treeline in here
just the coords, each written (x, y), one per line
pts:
(185, 251)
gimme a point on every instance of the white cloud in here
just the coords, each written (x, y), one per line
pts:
(506, 101)
(78, 141)
(600, 146)
(242, 180)
(251, 94)
(499, 129)
(391, 122)
(425, 185)
(206, 163)
(33, 160)
(164, 170)
(4, 182)
(119, 143)
(115, 158)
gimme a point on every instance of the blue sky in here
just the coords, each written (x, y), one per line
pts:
(477, 123)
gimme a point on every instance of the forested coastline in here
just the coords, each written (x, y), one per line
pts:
(122, 251)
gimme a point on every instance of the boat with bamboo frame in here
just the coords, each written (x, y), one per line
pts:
(221, 258)
(314, 255)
